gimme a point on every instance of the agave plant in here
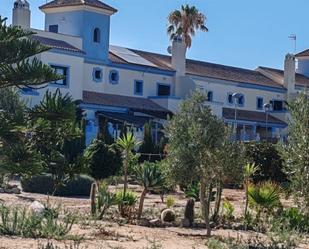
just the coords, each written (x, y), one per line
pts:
(149, 175)
(264, 197)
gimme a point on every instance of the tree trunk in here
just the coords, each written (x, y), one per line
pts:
(141, 203)
(125, 184)
(218, 201)
(246, 197)
(207, 209)
(205, 203)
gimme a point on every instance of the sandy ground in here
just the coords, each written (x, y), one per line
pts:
(112, 234)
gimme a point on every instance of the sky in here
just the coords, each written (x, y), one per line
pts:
(242, 33)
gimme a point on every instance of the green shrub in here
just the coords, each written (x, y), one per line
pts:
(103, 160)
(20, 222)
(104, 199)
(126, 203)
(170, 201)
(228, 210)
(193, 191)
(80, 185)
(294, 219)
(267, 157)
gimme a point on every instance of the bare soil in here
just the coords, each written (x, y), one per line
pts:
(113, 233)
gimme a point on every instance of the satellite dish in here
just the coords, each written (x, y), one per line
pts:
(169, 49)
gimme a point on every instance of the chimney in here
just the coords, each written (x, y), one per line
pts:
(289, 74)
(179, 50)
(21, 14)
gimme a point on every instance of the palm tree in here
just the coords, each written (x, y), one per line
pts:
(127, 143)
(149, 175)
(264, 197)
(185, 22)
(249, 171)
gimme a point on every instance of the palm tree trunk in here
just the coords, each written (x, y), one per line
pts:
(125, 184)
(141, 203)
(202, 196)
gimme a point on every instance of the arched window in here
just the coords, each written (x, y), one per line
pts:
(96, 35)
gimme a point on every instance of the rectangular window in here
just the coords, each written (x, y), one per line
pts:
(230, 98)
(53, 28)
(164, 90)
(138, 87)
(210, 96)
(259, 103)
(61, 71)
(277, 105)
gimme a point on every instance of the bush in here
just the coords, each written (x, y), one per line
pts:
(80, 185)
(294, 219)
(266, 156)
(103, 160)
(20, 222)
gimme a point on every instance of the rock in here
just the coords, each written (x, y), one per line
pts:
(185, 223)
(15, 190)
(155, 223)
(37, 207)
(1, 190)
(143, 223)
(168, 215)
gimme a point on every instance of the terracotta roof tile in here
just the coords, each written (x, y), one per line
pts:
(53, 43)
(301, 80)
(134, 103)
(254, 116)
(64, 3)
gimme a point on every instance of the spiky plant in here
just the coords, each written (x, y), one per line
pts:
(264, 197)
(185, 22)
(150, 176)
(250, 170)
(127, 143)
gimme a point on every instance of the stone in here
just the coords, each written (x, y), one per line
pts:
(168, 215)
(37, 207)
(15, 190)
(185, 222)
(143, 222)
(155, 223)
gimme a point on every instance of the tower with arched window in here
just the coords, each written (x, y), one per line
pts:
(88, 19)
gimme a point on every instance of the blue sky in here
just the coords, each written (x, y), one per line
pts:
(242, 33)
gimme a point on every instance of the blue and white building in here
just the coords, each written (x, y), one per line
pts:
(129, 86)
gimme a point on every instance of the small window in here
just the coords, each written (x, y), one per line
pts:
(164, 90)
(259, 103)
(64, 71)
(210, 96)
(277, 105)
(53, 28)
(138, 87)
(241, 100)
(97, 74)
(113, 77)
(96, 35)
(230, 98)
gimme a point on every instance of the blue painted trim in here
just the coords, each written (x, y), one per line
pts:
(227, 99)
(29, 91)
(164, 97)
(142, 83)
(111, 81)
(101, 73)
(67, 52)
(211, 97)
(240, 84)
(163, 84)
(243, 102)
(257, 103)
(67, 85)
(283, 101)
(103, 108)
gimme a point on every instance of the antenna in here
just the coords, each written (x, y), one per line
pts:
(293, 37)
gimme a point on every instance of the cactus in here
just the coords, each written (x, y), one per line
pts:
(93, 193)
(189, 211)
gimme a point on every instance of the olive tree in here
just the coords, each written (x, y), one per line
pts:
(295, 152)
(194, 134)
